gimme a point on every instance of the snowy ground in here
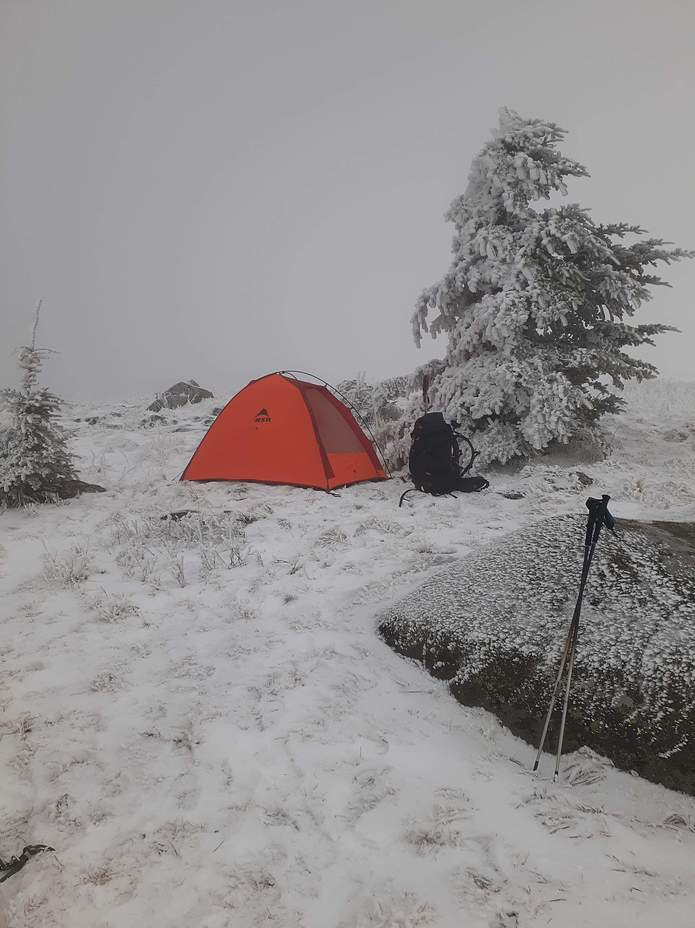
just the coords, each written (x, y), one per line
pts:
(200, 718)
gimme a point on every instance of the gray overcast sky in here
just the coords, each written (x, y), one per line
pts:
(215, 189)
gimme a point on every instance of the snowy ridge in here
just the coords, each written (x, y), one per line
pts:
(199, 715)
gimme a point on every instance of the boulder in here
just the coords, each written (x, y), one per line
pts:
(71, 488)
(179, 394)
(494, 625)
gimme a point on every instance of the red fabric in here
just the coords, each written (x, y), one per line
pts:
(281, 430)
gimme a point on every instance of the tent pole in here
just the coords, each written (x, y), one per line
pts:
(350, 406)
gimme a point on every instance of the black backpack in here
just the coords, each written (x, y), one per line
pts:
(435, 458)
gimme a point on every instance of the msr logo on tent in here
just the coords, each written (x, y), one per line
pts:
(262, 415)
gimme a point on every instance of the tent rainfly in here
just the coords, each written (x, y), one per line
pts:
(280, 429)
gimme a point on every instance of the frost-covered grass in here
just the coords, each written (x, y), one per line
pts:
(69, 568)
(200, 717)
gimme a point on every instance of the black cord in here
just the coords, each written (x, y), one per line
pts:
(9, 867)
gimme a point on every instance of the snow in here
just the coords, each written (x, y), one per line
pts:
(199, 716)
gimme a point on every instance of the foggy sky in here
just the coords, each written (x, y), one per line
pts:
(217, 189)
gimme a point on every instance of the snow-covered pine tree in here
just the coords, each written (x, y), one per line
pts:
(536, 301)
(35, 464)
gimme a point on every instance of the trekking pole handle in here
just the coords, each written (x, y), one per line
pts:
(599, 509)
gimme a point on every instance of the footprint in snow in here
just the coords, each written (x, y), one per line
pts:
(371, 787)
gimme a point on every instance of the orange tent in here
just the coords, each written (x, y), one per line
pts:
(279, 429)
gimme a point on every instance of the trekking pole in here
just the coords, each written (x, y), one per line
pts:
(570, 639)
(565, 704)
(553, 695)
(598, 516)
(601, 517)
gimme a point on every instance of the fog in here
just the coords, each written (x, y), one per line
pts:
(220, 189)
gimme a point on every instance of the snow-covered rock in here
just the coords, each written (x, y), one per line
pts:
(494, 626)
(180, 394)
